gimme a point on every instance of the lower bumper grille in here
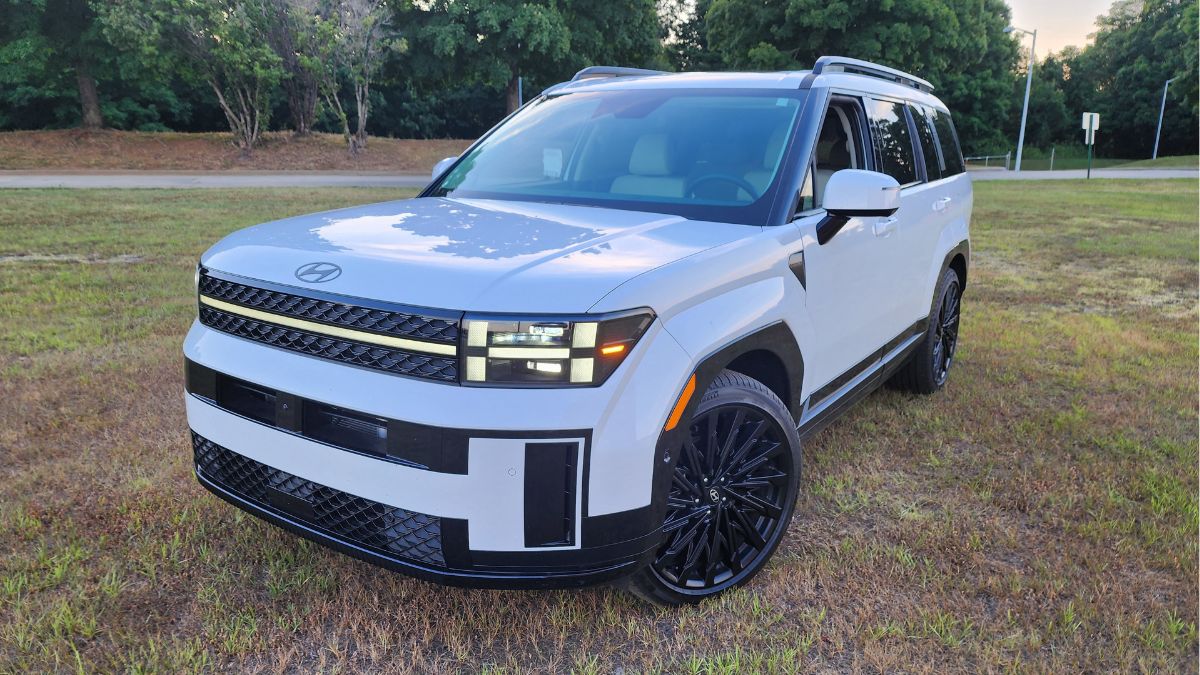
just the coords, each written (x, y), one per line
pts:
(389, 530)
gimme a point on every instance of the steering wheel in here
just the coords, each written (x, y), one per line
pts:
(724, 177)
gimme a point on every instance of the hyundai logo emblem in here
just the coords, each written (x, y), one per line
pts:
(714, 495)
(318, 272)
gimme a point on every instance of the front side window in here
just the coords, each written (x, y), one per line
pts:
(839, 145)
(889, 126)
(704, 154)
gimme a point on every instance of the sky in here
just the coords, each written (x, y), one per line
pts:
(1059, 23)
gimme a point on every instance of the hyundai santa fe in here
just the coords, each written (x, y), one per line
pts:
(591, 348)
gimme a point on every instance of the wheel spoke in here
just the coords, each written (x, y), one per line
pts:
(740, 456)
(748, 529)
(679, 503)
(731, 549)
(692, 453)
(712, 554)
(758, 504)
(731, 435)
(747, 467)
(681, 479)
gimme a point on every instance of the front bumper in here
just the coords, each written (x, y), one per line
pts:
(427, 547)
(365, 463)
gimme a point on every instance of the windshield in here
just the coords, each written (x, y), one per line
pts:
(710, 155)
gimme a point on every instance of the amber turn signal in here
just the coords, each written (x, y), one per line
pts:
(681, 404)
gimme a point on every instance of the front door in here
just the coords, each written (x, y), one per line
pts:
(849, 285)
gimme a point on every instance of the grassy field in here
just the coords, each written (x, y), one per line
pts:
(1070, 163)
(78, 150)
(1039, 514)
(1180, 162)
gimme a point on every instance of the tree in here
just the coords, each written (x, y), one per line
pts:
(62, 37)
(220, 42)
(1139, 45)
(291, 32)
(494, 43)
(685, 35)
(490, 42)
(959, 45)
(364, 42)
(625, 33)
(1049, 121)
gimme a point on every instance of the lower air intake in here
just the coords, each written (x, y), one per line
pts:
(389, 530)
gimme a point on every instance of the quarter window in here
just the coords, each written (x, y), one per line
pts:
(948, 140)
(892, 138)
(928, 142)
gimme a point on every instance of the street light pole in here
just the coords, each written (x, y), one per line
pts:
(1028, 85)
(1161, 109)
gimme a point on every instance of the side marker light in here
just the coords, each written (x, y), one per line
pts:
(681, 404)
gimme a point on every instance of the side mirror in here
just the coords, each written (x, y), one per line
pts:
(853, 193)
(440, 167)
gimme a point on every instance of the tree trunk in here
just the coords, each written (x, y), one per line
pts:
(302, 98)
(362, 104)
(512, 93)
(89, 99)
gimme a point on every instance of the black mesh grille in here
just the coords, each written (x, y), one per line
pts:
(381, 358)
(388, 530)
(312, 309)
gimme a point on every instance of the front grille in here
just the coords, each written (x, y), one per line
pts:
(396, 361)
(389, 322)
(388, 530)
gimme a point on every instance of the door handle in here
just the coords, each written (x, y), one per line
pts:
(941, 204)
(885, 227)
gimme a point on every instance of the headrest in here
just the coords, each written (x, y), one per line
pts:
(833, 148)
(839, 154)
(650, 156)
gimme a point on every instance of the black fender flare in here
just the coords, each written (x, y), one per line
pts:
(777, 339)
(962, 248)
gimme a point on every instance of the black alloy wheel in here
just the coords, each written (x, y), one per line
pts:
(732, 494)
(928, 366)
(946, 332)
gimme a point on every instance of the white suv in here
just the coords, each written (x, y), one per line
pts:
(591, 348)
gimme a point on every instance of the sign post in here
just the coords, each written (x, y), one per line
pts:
(1091, 123)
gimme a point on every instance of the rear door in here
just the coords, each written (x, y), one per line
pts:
(947, 203)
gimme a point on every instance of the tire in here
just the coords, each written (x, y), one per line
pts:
(928, 368)
(732, 497)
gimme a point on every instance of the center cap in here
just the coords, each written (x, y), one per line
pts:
(714, 495)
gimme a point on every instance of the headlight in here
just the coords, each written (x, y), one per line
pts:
(549, 351)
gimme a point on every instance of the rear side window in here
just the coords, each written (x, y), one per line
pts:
(928, 142)
(948, 140)
(889, 126)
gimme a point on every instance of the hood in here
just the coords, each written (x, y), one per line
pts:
(474, 255)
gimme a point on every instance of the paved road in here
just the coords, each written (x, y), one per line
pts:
(1000, 174)
(215, 179)
(258, 179)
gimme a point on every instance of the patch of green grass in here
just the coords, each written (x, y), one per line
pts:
(1176, 162)
(1040, 514)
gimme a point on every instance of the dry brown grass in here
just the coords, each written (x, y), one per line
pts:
(79, 150)
(1039, 514)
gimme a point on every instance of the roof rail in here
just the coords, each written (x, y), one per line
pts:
(597, 72)
(842, 64)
